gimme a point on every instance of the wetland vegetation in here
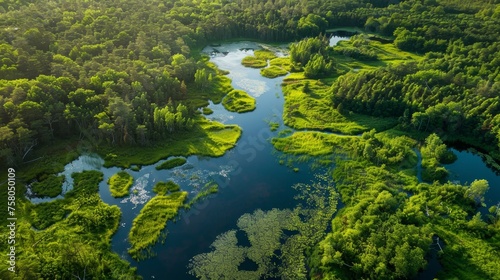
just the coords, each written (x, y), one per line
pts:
(120, 183)
(127, 80)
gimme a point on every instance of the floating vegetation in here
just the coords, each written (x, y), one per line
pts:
(171, 163)
(148, 225)
(278, 239)
(209, 188)
(119, 184)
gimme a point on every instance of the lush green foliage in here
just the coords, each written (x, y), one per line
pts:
(171, 163)
(71, 238)
(281, 236)
(147, 226)
(208, 138)
(50, 186)
(238, 101)
(163, 188)
(208, 189)
(120, 183)
(273, 71)
(259, 59)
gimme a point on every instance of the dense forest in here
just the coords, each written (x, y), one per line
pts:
(122, 74)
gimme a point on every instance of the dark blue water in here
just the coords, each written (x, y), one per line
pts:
(469, 167)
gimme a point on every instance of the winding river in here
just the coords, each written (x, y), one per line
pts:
(249, 176)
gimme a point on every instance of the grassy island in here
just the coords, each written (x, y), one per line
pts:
(273, 71)
(119, 184)
(48, 187)
(239, 101)
(171, 163)
(147, 226)
(259, 59)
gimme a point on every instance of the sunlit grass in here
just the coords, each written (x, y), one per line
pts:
(239, 101)
(314, 110)
(147, 226)
(208, 138)
(120, 183)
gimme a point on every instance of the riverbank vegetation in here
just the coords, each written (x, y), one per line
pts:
(273, 71)
(148, 225)
(239, 101)
(171, 163)
(69, 237)
(120, 183)
(259, 59)
(208, 138)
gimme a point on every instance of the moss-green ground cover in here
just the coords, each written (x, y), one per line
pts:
(259, 59)
(147, 226)
(208, 189)
(239, 101)
(308, 105)
(163, 188)
(120, 183)
(208, 138)
(171, 163)
(273, 71)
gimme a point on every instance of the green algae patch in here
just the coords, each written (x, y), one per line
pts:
(207, 138)
(120, 183)
(171, 163)
(259, 59)
(148, 225)
(239, 101)
(273, 72)
(51, 186)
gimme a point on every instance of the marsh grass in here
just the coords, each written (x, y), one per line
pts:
(308, 105)
(283, 62)
(208, 189)
(148, 225)
(163, 188)
(120, 183)
(207, 138)
(273, 71)
(239, 101)
(51, 186)
(171, 163)
(311, 143)
(259, 59)
(207, 111)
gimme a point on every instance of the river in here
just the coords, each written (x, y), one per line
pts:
(250, 176)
